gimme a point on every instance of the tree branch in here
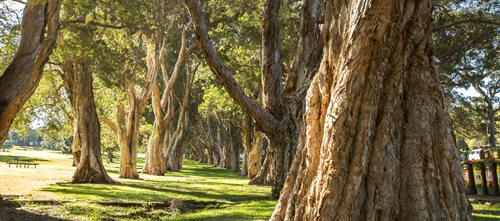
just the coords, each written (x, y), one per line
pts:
(109, 122)
(264, 118)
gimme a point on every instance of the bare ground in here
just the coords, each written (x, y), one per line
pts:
(54, 167)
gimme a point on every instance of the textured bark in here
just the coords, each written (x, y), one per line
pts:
(155, 161)
(378, 143)
(129, 123)
(174, 148)
(90, 168)
(128, 138)
(163, 107)
(174, 162)
(273, 118)
(68, 73)
(247, 138)
(255, 155)
(38, 38)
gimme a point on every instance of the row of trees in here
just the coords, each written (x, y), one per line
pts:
(350, 111)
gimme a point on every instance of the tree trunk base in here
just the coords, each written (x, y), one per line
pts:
(89, 175)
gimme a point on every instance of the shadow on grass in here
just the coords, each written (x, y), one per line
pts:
(156, 191)
(201, 183)
(197, 182)
(192, 169)
(482, 218)
(13, 211)
(15, 158)
(488, 212)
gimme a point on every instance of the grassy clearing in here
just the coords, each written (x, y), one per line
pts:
(228, 193)
(486, 212)
(199, 182)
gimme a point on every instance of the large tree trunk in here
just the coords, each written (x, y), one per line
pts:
(20, 79)
(275, 119)
(247, 138)
(174, 162)
(163, 106)
(174, 148)
(255, 156)
(155, 163)
(378, 143)
(90, 169)
(68, 73)
(128, 130)
(128, 147)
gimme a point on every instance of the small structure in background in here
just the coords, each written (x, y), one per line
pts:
(481, 171)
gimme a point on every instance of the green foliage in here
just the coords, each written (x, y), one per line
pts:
(217, 102)
(467, 36)
(486, 212)
(10, 20)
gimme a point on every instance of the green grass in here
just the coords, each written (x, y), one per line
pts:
(485, 212)
(199, 182)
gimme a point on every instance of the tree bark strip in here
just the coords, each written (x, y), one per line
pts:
(378, 143)
(90, 168)
(38, 38)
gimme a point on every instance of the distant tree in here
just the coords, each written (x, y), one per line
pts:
(467, 53)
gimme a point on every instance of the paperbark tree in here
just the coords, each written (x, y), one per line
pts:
(128, 117)
(378, 143)
(90, 168)
(128, 129)
(38, 38)
(273, 118)
(174, 149)
(163, 107)
(68, 73)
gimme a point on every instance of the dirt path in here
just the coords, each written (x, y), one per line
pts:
(54, 167)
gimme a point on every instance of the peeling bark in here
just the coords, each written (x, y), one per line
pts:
(163, 107)
(90, 169)
(275, 118)
(38, 38)
(378, 143)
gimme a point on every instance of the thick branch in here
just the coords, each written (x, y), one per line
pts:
(109, 122)
(183, 53)
(272, 93)
(264, 118)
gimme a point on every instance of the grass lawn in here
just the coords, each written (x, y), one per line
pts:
(198, 192)
(486, 212)
(221, 194)
(229, 195)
